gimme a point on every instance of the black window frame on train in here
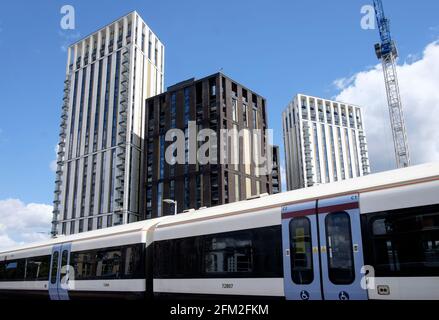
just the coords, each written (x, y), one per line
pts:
(139, 270)
(186, 258)
(375, 255)
(21, 272)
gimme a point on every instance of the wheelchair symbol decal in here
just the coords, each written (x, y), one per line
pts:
(304, 295)
(343, 296)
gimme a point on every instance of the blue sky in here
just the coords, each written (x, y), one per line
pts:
(277, 48)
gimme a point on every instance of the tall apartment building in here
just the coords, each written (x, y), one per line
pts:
(324, 141)
(215, 102)
(109, 75)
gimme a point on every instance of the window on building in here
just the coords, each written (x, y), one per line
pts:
(245, 114)
(325, 153)
(348, 152)
(99, 223)
(187, 198)
(334, 159)
(255, 118)
(150, 46)
(235, 110)
(317, 154)
(90, 224)
(212, 87)
(248, 187)
(237, 188)
(160, 199)
(341, 155)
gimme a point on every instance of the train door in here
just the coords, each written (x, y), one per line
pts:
(59, 272)
(300, 252)
(322, 247)
(341, 248)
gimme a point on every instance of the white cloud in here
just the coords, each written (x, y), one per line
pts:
(419, 86)
(22, 223)
(53, 164)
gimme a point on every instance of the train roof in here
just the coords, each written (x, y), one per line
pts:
(373, 182)
(378, 181)
(95, 234)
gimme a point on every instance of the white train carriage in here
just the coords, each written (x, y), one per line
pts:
(106, 263)
(310, 244)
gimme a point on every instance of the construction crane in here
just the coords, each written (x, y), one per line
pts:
(387, 52)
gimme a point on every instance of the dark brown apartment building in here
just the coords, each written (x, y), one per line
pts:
(215, 102)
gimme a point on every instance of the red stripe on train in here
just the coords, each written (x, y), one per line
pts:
(301, 213)
(340, 207)
(327, 209)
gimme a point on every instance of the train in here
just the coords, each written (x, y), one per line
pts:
(371, 238)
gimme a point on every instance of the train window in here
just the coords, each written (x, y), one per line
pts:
(37, 268)
(54, 267)
(302, 271)
(404, 242)
(109, 263)
(231, 253)
(237, 254)
(84, 264)
(12, 270)
(133, 261)
(341, 267)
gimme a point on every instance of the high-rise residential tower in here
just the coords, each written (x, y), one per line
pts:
(217, 103)
(324, 142)
(109, 75)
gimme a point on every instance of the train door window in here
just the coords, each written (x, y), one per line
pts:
(54, 267)
(64, 260)
(339, 245)
(301, 251)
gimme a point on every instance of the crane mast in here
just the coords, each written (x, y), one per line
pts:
(387, 52)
